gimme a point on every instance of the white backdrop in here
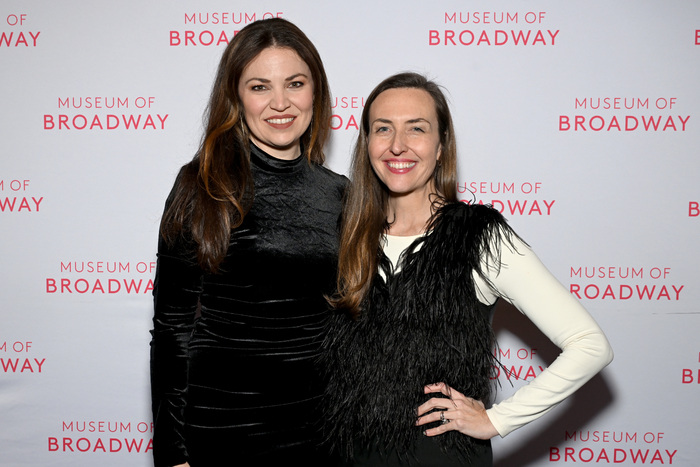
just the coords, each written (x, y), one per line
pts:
(578, 120)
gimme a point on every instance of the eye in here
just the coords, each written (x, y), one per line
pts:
(296, 84)
(258, 87)
(418, 129)
(381, 129)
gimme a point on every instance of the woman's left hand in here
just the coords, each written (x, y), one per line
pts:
(458, 412)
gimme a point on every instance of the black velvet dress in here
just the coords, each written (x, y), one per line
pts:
(233, 367)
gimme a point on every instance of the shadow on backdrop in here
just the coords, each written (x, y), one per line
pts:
(583, 406)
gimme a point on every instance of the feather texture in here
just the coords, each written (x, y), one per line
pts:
(421, 325)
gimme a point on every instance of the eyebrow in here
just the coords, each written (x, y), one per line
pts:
(418, 120)
(413, 120)
(263, 80)
(295, 76)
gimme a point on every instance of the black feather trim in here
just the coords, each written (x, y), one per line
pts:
(422, 325)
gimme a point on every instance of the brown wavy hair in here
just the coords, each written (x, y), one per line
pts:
(365, 212)
(214, 192)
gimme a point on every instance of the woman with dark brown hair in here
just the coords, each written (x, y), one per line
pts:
(410, 352)
(247, 251)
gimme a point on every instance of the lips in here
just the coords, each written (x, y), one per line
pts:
(281, 122)
(400, 167)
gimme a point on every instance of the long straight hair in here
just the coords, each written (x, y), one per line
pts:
(365, 212)
(214, 192)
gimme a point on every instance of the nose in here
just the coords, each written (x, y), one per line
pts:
(279, 100)
(398, 144)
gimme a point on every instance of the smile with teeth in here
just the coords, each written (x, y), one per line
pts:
(400, 165)
(280, 121)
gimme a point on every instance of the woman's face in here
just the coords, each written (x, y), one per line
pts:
(404, 141)
(277, 93)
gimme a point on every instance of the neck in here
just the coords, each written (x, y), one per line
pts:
(288, 153)
(409, 214)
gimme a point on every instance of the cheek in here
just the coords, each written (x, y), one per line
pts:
(305, 102)
(374, 151)
(374, 154)
(375, 148)
(253, 106)
(247, 105)
(377, 168)
(310, 97)
(431, 151)
(375, 163)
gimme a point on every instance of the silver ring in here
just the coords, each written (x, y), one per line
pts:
(443, 419)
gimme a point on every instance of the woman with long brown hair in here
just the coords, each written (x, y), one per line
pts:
(247, 252)
(410, 351)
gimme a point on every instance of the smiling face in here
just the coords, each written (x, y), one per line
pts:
(404, 141)
(277, 93)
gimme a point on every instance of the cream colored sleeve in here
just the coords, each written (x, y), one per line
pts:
(525, 282)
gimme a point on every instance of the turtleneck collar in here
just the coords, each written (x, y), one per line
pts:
(268, 163)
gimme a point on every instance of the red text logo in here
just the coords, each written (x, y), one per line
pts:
(624, 114)
(624, 283)
(14, 198)
(494, 35)
(214, 37)
(15, 36)
(509, 198)
(15, 358)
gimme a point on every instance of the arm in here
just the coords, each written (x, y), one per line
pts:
(525, 282)
(522, 280)
(177, 286)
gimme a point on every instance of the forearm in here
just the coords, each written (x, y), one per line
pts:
(177, 288)
(529, 286)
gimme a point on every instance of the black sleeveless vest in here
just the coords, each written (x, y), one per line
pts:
(421, 325)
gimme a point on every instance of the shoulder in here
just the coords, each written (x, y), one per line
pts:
(187, 173)
(475, 225)
(470, 215)
(324, 171)
(185, 185)
(329, 177)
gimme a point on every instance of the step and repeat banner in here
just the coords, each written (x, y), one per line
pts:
(579, 120)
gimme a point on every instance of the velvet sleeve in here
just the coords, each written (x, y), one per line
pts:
(177, 287)
(526, 283)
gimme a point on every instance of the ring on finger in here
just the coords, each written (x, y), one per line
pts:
(443, 419)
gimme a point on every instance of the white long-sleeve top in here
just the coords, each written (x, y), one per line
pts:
(525, 282)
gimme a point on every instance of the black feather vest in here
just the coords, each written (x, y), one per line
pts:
(421, 325)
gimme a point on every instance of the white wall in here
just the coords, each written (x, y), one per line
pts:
(615, 199)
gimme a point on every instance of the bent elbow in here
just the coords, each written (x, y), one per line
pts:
(605, 353)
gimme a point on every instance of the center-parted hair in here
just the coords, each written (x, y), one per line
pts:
(214, 192)
(365, 212)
